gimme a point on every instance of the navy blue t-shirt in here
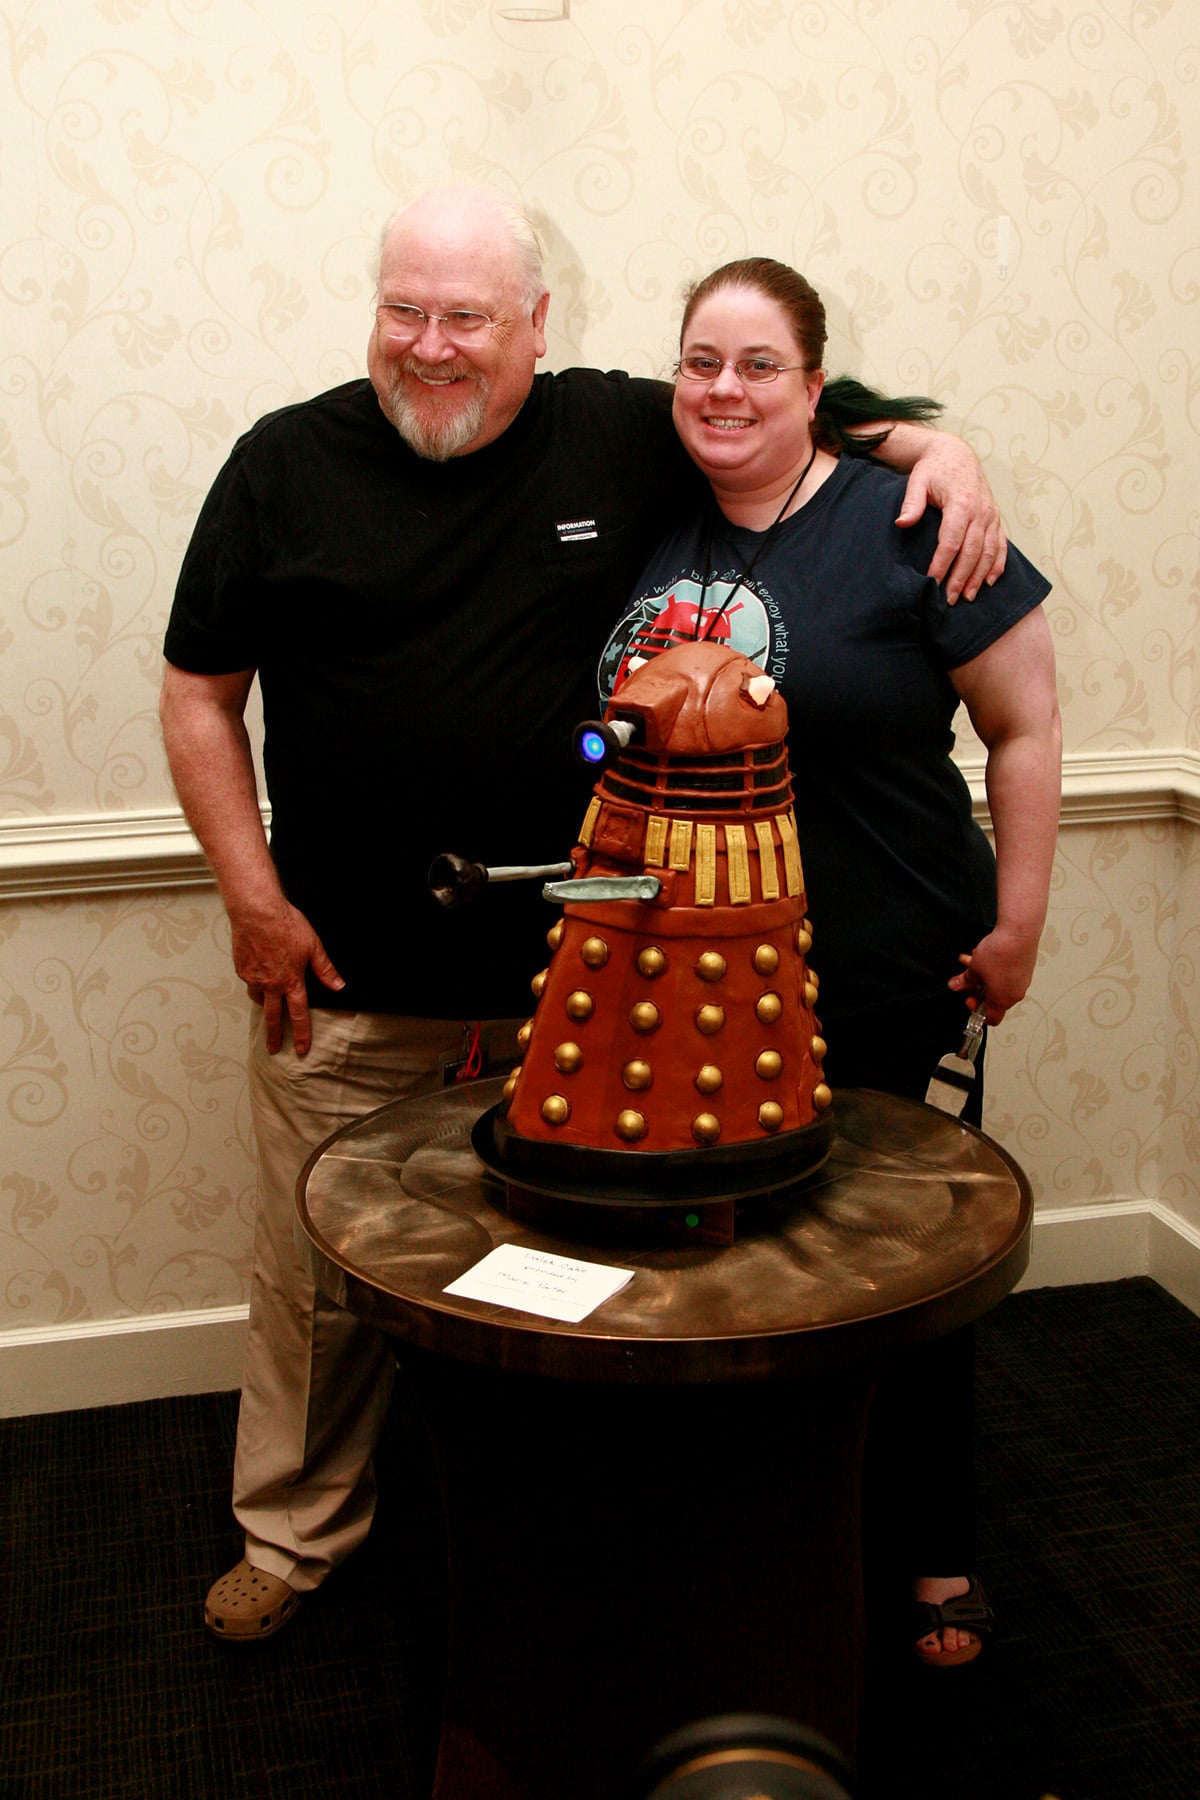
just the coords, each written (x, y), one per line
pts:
(861, 642)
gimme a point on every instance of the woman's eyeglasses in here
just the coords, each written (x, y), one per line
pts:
(749, 369)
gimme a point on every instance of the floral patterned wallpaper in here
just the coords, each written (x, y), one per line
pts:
(129, 1186)
(997, 199)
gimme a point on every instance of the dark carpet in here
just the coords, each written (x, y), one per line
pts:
(1089, 1477)
(115, 1522)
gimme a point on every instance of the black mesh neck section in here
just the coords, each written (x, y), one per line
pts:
(750, 781)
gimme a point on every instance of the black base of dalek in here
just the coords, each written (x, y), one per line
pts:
(696, 1196)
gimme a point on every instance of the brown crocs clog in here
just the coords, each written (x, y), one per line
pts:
(247, 1604)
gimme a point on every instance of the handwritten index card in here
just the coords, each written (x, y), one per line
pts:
(537, 1281)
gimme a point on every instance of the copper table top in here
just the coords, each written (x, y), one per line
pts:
(915, 1225)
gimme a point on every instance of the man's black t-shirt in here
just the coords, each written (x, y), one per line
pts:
(425, 635)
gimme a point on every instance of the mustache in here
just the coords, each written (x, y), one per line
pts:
(455, 371)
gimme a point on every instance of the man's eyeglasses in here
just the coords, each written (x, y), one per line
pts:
(410, 321)
(749, 369)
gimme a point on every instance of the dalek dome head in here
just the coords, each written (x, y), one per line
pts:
(699, 699)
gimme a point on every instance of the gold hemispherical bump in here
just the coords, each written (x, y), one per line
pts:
(803, 940)
(630, 1125)
(554, 936)
(580, 1005)
(810, 993)
(768, 1008)
(706, 1128)
(567, 1058)
(555, 1109)
(769, 1066)
(637, 1076)
(819, 1048)
(651, 961)
(822, 1096)
(709, 1019)
(510, 1086)
(594, 952)
(766, 959)
(711, 966)
(708, 1079)
(539, 981)
(645, 1016)
(524, 1035)
(770, 1115)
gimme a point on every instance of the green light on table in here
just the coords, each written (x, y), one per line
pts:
(691, 1218)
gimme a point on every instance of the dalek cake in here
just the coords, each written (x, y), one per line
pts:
(674, 1055)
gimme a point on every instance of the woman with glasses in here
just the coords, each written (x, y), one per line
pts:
(797, 560)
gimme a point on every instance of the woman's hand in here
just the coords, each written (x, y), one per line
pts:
(996, 974)
(1009, 691)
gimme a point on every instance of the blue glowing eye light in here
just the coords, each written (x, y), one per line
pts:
(592, 747)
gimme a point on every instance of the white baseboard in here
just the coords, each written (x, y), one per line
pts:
(1175, 1256)
(1111, 1240)
(63, 1368)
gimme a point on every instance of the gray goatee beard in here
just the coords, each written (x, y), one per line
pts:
(438, 439)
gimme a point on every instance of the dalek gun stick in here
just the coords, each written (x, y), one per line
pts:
(454, 881)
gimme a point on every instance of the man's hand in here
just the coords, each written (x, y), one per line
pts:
(203, 718)
(971, 546)
(272, 955)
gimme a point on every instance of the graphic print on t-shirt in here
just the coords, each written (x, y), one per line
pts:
(673, 615)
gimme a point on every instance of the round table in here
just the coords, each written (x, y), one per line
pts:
(653, 1514)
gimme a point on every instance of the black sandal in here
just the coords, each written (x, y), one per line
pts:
(965, 1612)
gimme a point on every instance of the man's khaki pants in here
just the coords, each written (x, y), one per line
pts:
(316, 1384)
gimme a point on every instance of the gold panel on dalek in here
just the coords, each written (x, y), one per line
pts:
(671, 1077)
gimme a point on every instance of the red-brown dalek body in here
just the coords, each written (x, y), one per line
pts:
(681, 1026)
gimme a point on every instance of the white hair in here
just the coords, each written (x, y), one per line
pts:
(526, 240)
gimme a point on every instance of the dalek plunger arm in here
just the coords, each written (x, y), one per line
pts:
(454, 882)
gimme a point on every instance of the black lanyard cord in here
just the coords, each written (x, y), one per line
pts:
(746, 573)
